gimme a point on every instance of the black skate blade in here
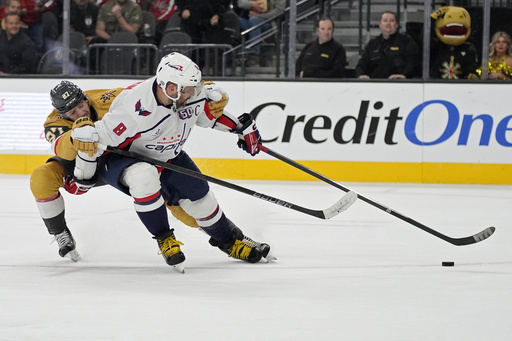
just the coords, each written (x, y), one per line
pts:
(267, 256)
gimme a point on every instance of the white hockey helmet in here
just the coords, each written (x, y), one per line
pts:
(180, 70)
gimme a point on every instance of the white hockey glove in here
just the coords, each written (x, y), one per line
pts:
(248, 135)
(217, 98)
(85, 137)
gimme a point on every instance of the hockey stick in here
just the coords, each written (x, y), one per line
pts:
(340, 206)
(486, 233)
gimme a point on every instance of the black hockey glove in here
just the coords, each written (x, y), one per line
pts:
(248, 135)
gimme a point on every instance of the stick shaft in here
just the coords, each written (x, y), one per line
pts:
(455, 241)
(316, 213)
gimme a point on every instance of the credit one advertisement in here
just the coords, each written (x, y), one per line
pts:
(324, 121)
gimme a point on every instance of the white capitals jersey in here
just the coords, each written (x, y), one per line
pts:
(137, 122)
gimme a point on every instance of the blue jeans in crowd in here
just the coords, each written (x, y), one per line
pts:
(35, 32)
(246, 24)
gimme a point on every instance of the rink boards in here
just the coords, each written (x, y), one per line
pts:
(348, 131)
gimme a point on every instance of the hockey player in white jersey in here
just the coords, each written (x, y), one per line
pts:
(155, 118)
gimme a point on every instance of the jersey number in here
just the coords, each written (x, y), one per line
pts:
(53, 133)
(121, 128)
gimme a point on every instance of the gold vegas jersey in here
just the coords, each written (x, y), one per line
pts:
(57, 129)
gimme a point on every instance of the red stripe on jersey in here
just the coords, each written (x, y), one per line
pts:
(227, 122)
(133, 85)
(52, 198)
(148, 198)
(128, 141)
(207, 111)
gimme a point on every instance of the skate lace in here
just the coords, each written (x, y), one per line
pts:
(241, 249)
(166, 246)
(62, 238)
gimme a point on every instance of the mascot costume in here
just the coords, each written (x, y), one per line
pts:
(453, 57)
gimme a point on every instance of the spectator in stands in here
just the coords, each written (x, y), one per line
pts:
(17, 50)
(32, 11)
(201, 19)
(391, 55)
(324, 57)
(83, 18)
(117, 16)
(162, 11)
(500, 57)
(253, 13)
(12, 6)
(144, 4)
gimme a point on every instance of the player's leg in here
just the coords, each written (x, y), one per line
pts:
(196, 199)
(141, 181)
(45, 182)
(180, 214)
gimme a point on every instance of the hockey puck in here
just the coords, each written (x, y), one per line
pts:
(448, 263)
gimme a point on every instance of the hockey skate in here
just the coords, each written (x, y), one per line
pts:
(170, 250)
(67, 245)
(244, 248)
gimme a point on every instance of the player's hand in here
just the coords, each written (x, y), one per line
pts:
(85, 137)
(249, 136)
(473, 76)
(217, 98)
(396, 76)
(76, 188)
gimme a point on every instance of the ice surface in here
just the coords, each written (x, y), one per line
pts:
(363, 275)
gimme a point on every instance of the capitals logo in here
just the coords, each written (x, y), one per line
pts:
(108, 95)
(141, 110)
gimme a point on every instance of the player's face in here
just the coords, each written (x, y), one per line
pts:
(186, 93)
(81, 110)
(324, 31)
(388, 24)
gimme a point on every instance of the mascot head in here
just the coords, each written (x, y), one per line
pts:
(453, 25)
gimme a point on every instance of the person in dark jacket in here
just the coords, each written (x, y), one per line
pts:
(83, 18)
(391, 55)
(323, 57)
(202, 19)
(17, 50)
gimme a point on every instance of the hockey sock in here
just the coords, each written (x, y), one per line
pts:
(55, 225)
(156, 221)
(220, 230)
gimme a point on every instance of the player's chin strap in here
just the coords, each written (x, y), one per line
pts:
(341, 205)
(478, 237)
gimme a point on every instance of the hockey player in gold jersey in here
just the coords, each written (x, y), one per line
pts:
(71, 104)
